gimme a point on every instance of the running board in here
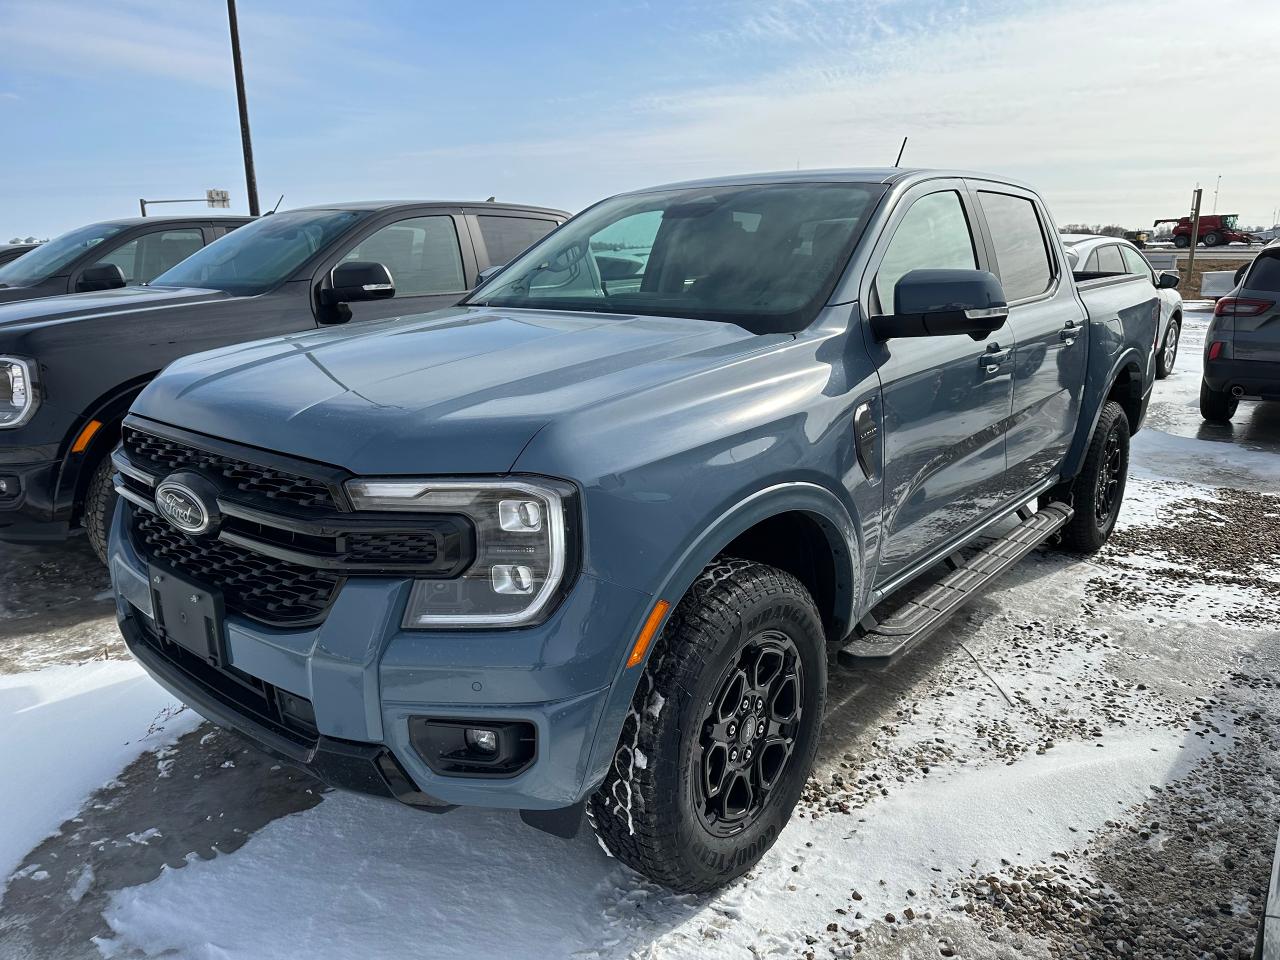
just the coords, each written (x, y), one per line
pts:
(880, 643)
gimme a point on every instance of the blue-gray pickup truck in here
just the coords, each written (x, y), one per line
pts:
(585, 544)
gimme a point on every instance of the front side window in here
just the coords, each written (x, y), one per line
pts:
(763, 256)
(421, 255)
(49, 258)
(505, 238)
(260, 255)
(1136, 263)
(146, 257)
(1026, 269)
(934, 235)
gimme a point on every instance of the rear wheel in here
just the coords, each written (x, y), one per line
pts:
(1097, 492)
(1169, 352)
(722, 732)
(99, 506)
(1216, 406)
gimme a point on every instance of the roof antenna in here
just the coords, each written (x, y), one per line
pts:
(276, 207)
(900, 151)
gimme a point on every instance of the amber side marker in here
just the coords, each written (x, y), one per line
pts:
(648, 632)
(82, 441)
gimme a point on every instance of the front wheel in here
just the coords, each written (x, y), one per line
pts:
(99, 507)
(1181, 242)
(1098, 490)
(1217, 406)
(1212, 239)
(722, 732)
(1169, 352)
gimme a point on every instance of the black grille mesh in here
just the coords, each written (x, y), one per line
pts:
(373, 548)
(169, 455)
(259, 586)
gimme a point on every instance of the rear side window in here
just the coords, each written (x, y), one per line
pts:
(934, 234)
(144, 258)
(421, 254)
(1265, 275)
(1021, 253)
(507, 237)
(1109, 259)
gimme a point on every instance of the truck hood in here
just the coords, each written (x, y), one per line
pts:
(452, 392)
(75, 306)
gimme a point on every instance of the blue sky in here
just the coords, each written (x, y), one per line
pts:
(1115, 117)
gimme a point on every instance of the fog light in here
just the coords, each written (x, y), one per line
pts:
(512, 578)
(519, 516)
(482, 741)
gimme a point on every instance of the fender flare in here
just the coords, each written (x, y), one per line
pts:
(820, 503)
(1129, 357)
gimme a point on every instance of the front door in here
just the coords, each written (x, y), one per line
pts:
(946, 399)
(1048, 324)
(424, 258)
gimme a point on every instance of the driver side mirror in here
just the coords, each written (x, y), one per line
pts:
(487, 274)
(359, 280)
(101, 276)
(1168, 279)
(938, 303)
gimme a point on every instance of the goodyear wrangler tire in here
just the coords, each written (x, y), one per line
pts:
(722, 732)
(1098, 491)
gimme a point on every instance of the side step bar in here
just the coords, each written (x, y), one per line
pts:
(878, 644)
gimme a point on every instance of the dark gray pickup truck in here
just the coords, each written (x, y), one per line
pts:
(70, 366)
(107, 255)
(585, 541)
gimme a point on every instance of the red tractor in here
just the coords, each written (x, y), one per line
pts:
(1215, 230)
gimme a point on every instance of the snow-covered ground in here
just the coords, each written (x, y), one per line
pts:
(1082, 762)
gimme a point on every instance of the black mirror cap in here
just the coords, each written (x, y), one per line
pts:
(101, 276)
(1168, 279)
(359, 280)
(488, 273)
(939, 303)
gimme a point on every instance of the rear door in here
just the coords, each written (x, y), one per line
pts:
(1048, 326)
(945, 400)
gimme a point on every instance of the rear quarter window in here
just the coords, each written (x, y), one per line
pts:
(1265, 275)
(1022, 255)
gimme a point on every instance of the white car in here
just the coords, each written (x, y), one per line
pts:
(1095, 255)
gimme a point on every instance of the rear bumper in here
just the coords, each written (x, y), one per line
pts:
(1259, 380)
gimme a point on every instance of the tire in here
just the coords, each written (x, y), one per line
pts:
(1169, 350)
(1212, 239)
(1181, 242)
(739, 620)
(1216, 406)
(1098, 490)
(99, 507)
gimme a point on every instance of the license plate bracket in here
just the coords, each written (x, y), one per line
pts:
(188, 614)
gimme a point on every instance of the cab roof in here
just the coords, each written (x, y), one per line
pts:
(894, 176)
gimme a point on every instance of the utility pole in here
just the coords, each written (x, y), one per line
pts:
(1195, 231)
(1215, 193)
(250, 179)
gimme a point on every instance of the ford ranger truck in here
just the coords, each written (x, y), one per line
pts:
(71, 365)
(580, 545)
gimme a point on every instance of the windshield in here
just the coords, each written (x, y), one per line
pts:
(49, 258)
(259, 255)
(764, 256)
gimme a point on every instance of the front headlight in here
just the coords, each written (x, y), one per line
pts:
(18, 398)
(521, 549)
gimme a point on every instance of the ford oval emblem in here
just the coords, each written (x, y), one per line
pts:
(183, 507)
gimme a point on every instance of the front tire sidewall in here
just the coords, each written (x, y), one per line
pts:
(99, 507)
(1164, 363)
(727, 857)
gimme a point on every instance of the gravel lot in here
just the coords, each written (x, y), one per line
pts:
(1081, 764)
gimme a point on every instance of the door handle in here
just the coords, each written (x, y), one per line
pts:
(992, 360)
(1068, 335)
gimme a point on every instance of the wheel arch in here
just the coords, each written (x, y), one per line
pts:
(1125, 385)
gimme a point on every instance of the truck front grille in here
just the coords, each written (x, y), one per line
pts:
(258, 586)
(163, 455)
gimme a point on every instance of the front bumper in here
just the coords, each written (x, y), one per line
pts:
(366, 677)
(1259, 379)
(28, 511)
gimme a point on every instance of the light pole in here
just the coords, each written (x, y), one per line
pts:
(250, 179)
